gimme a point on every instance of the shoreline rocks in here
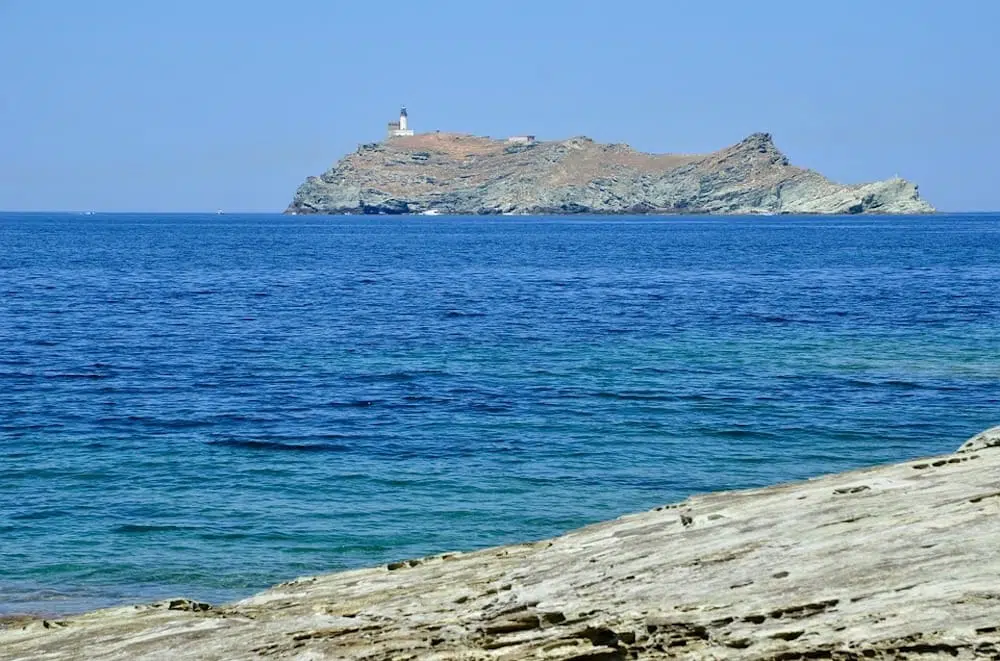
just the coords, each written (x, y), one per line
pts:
(456, 174)
(888, 562)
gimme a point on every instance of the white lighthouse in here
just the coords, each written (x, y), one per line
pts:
(401, 128)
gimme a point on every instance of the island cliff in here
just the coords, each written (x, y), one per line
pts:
(891, 562)
(457, 174)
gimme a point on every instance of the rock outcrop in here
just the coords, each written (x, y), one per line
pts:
(890, 562)
(449, 173)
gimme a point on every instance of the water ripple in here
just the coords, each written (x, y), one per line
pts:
(204, 406)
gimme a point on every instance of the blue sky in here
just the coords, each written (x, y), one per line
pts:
(206, 104)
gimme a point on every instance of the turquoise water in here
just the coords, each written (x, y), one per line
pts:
(206, 405)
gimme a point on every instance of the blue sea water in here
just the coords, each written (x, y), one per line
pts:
(205, 405)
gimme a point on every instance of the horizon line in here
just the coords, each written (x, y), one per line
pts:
(223, 212)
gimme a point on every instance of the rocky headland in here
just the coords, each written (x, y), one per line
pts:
(457, 174)
(891, 562)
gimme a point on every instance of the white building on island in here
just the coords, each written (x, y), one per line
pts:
(401, 128)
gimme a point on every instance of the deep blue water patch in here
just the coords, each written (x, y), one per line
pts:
(201, 405)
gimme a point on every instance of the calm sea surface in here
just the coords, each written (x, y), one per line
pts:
(205, 405)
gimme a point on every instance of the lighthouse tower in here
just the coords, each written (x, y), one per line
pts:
(400, 128)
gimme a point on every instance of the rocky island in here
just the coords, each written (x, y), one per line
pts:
(456, 174)
(891, 562)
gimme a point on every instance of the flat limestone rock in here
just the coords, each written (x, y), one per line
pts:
(891, 562)
(456, 174)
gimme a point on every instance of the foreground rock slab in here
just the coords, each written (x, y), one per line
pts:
(891, 562)
(457, 174)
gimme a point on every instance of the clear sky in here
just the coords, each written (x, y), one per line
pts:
(177, 105)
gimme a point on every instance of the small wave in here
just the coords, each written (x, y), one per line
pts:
(466, 390)
(695, 397)
(903, 384)
(425, 399)
(355, 404)
(17, 375)
(330, 436)
(456, 314)
(483, 407)
(145, 527)
(240, 417)
(634, 396)
(76, 375)
(897, 384)
(398, 375)
(31, 427)
(778, 319)
(184, 424)
(280, 446)
(150, 421)
(224, 536)
(744, 433)
(39, 514)
(771, 318)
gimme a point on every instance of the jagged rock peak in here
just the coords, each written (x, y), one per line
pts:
(451, 173)
(758, 146)
(762, 142)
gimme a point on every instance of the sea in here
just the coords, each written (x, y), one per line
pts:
(205, 405)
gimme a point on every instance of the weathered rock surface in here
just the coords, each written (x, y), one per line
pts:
(890, 562)
(460, 174)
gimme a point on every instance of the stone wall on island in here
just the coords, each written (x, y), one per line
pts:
(890, 562)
